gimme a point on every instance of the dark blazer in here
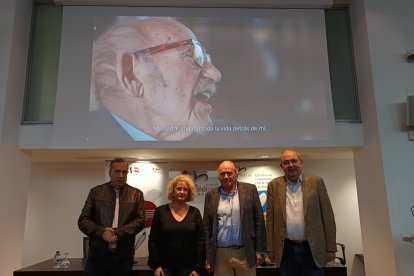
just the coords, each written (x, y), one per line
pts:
(251, 216)
(320, 228)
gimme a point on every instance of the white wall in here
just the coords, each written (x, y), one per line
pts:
(14, 164)
(58, 190)
(57, 194)
(391, 29)
(383, 31)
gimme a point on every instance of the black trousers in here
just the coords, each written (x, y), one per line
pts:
(109, 265)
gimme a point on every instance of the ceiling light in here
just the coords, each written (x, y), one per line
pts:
(143, 157)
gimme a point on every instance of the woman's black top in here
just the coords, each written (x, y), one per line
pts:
(176, 245)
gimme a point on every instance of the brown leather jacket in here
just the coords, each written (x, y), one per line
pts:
(98, 213)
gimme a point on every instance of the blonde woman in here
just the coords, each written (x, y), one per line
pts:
(176, 242)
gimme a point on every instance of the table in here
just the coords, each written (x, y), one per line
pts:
(140, 268)
(271, 270)
(45, 268)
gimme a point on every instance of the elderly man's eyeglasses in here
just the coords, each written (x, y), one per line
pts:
(291, 161)
(199, 54)
(228, 174)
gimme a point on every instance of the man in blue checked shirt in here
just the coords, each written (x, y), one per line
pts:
(234, 226)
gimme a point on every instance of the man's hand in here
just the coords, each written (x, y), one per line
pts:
(271, 256)
(109, 235)
(209, 268)
(194, 273)
(259, 259)
(159, 272)
(330, 256)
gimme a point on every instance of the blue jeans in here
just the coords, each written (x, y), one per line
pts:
(108, 266)
(297, 260)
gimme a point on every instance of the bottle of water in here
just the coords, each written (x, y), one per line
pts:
(57, 260)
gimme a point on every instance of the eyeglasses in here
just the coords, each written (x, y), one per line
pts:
(229, 174)
(199, 53)
(291, 161)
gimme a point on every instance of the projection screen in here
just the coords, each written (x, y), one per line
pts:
(181, 77)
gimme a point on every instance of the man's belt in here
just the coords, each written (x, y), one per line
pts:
(296, 242)
(234, 247)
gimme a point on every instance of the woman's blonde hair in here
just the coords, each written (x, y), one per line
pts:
(188, 181)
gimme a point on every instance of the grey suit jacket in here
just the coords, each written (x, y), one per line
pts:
(320, 228)
(251, 215)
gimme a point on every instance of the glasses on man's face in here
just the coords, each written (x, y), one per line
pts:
(291, 161)
(228, 174)
(199, 53)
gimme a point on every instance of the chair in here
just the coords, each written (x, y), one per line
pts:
(342, 260)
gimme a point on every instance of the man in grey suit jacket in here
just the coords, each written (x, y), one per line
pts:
(300, 223)
(234, 227)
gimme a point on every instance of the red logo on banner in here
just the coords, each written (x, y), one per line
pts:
(135, 169)
(149, 212)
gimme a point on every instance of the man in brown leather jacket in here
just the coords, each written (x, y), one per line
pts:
(111, 217)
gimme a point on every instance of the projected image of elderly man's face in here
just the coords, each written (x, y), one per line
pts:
(167, 82)
(181, 82)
